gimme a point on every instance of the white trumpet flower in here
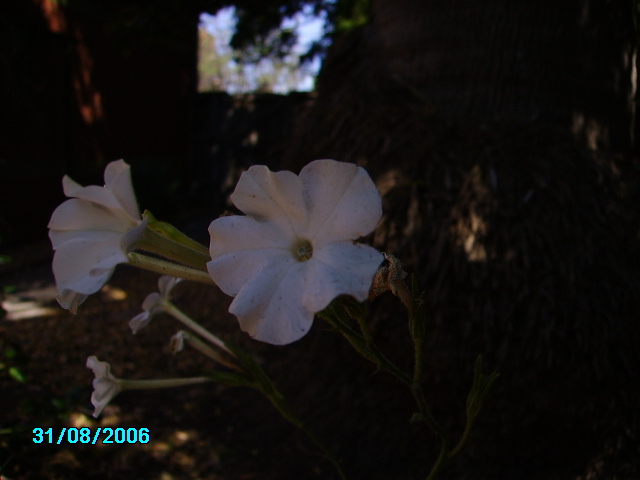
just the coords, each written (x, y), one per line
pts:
(93, 232)
(294, 251)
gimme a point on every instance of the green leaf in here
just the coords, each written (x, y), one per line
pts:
(417, 417)
(480, 388)
(17, 375)
(230, 378)
(10, 352)
(262, 380)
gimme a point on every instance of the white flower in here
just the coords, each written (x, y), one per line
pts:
(92, 233)
(105, 385)
(294, 251)
(154, 303)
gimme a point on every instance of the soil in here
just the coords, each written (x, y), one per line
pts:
(206, 431)
(218, 432)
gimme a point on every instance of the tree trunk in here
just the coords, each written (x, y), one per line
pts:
(573, 65)
(500, 135)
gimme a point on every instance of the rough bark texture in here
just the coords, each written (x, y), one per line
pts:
(571, 64)
(500, 135)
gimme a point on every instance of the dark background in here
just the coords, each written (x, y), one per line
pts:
(503, 138)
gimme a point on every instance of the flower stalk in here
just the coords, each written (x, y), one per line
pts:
(177, 342)
(363, 342)
(187, 321)
(287, 413)
(164, 267)
(161, 383)
(106, 386)
(261, 382)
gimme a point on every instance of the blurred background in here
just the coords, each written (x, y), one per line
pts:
(502, 135)
(85, 83)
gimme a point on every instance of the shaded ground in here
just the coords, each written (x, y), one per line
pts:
(209, 431)
(223, 433)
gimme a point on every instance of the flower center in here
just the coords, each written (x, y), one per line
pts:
(302, 250)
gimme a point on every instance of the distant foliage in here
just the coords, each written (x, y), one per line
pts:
(220, 70)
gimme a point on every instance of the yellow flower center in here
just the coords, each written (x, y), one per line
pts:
(302, 250)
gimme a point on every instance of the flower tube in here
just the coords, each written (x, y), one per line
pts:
(106, 386)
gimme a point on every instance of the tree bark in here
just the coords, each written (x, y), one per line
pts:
(573, 64)
(500, 135)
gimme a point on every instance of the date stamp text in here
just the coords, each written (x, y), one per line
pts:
(106, 435)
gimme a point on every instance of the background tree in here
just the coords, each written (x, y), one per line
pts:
(502, 137)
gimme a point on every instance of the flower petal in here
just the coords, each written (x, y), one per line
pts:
(241, 247)
(77, 214)
(268, 306)
(273, 196)
(91, 193)
(231, 271)
(166, 284)
(117, 178)
(85, 263)
(140, 321)
(234, 233)
(117, 194)
(152, 302)
(70, 300)
(339, 268)
(342, 201)
(105, 385)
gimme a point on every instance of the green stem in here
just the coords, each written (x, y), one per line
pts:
(278, 401)
(354, 338)
(365, 345)
(463, 438)
(418, 348)
(182, 317)
(380, 359)
(205, 349)
(161, 383)
(416, 327)
(164, 267)
(442, 457)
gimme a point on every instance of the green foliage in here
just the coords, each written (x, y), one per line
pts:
(351, 14)
(11, 362)
(259, 33)
(4, 259)
(220, 70)
(343, 310)
(5, 457)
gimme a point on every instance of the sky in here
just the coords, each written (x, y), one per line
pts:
(308, 27)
